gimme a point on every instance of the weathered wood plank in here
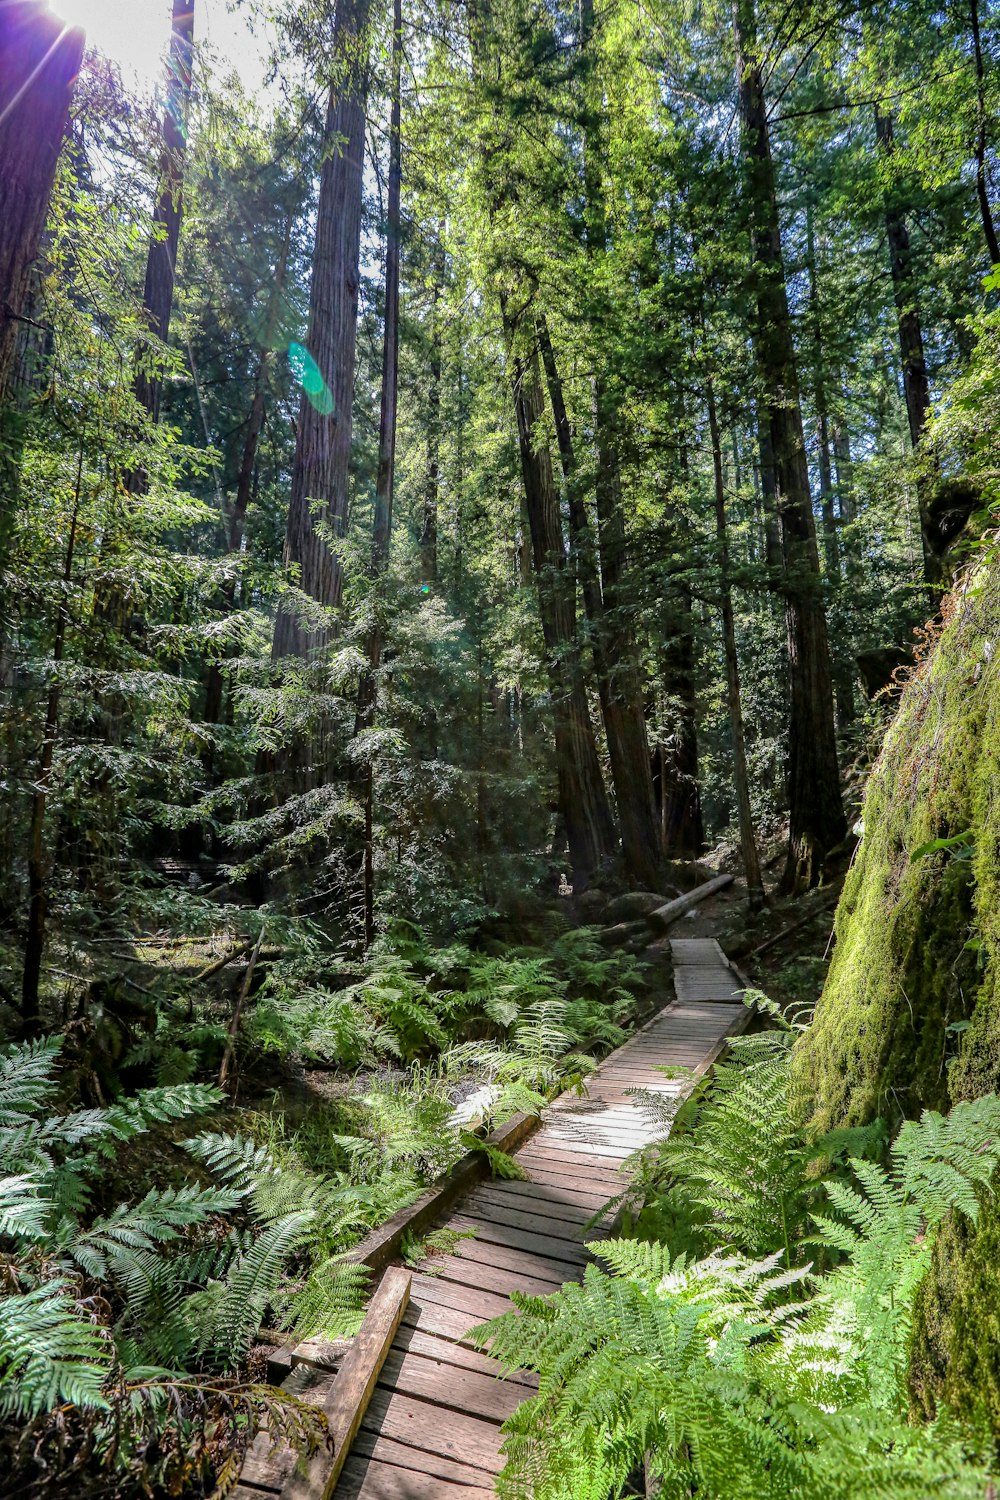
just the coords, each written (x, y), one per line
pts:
(402, 1456)
(352, 1388)
(383, 1244)
(412, 1340)
(422, 1425)
(451, 1388)
(368, 1479)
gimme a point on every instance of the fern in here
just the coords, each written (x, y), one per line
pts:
(49, 1353)
(748, 1377)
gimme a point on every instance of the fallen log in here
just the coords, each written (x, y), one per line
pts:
(665, 916)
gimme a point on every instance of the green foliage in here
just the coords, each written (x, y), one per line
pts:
(730, 1375)
(107, 1314)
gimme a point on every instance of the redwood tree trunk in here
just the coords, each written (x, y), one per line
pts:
(583, 803)
(617, 659)
(382, 527)
(916, 386)
(161, 259)
(323, 438)
(39, 61)
(816, 811)
(741, 779)
(429, 526)
(248, 460)
(982, 183)
(621, 705)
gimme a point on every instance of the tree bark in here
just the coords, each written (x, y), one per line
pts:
(317, 506)
(621, 705)
(741, 779)
(916, 385)
(583, 802)
(39, 61)
(429, 526)
(161, 258)
(816, 811)
(382, 527)
(38, 893)
(982, 183)
(248, 460)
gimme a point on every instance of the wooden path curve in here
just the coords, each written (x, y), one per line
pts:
(432, 1428)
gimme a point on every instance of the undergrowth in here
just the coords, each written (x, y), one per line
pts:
(752, 1340)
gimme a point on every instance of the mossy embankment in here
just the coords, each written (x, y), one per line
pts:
(909, 1018)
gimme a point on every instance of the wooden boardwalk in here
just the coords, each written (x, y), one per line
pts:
(432, 1428)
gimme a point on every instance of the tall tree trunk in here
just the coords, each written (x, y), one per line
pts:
(38, 893)
(382, 527)
(161, 258)
(618, 682)
(323, 437)
(583, 803)
(842, 676)
(248, 460)
(845, 470)
(616, 655)
(741, 779)
(916, 386)
(816, 811)
(429, 525)
(682, 830)
(39, 61)
(982, 183)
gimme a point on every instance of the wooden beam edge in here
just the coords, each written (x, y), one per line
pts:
(353, 1387)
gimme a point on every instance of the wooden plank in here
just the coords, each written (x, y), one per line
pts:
(420, 1425)
(505, 1258)
(402, 1456)
(368, 1479)
(352, 1388)
(443, 1322)
(520, 1239)
(550, 1203)
(267, 1465)
(383, 1244)
(450, 1388)
(412, 1340)
(516, 1218)
(501, 1280)
(477, 1304)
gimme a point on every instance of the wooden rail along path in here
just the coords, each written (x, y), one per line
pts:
(415, 1411)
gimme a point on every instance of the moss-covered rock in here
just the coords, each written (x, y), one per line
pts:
(910, 1013)
(955, 1357)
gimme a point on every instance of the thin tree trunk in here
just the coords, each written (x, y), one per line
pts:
(982, 183)
(618, 667)
(916, 385)
(618, 685)
(429, 527)
(741, 779)
(38, 897)
(382, 527)
(161, 258)
(248, 462)
(816, 811)
(323, 437)
(39, 61)
(583, 802)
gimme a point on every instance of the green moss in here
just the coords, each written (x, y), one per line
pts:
(903, 975)
(955, 1357)
(910, 1013)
